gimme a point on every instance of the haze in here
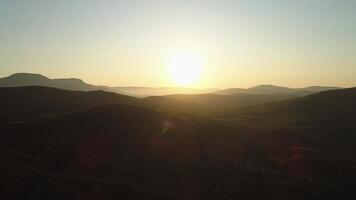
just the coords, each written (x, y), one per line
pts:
(240, 43)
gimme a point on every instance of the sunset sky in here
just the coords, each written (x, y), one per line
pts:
(238, 43)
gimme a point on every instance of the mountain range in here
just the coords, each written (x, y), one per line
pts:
(28, 79)
(19, 103)
(60, 144)
(70, 140)
(271, 89)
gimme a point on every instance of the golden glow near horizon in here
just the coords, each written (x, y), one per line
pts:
(185, 68)
(239, 43)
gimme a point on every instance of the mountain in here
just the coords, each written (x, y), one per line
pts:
(122, 152)
(28, 79)
(319, 88)
(324, 120)
(303, 132)
(106, 152)
(208, 104)
(261, 89)
(271, 89)
(328, 103)
(19, 103)
(161, 91)
(301, 148)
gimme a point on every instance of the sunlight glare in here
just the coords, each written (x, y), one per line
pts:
(185, 68)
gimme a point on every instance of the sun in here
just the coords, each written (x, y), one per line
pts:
(185, 69)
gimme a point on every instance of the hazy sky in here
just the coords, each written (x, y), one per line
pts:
(126, 42)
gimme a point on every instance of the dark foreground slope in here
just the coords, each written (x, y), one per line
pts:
(122, 152)
(116, 151)
(320, 126)
(326, 120)
(330, 108)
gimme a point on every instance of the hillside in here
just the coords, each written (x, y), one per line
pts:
(330, 104)
(162, 91)
(29, 79)
(209, 104)
(121, 151)
(116, 151)
(21, 103)
(324, 121)
(273, 90)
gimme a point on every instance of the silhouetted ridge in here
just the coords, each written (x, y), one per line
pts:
(85, 142)
(28, 76)
(28, 79)
(19, 103)
(272, 90)
(209, 104)
(332, 105)
(320, 88)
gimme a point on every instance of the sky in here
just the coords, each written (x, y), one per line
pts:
(239, 43)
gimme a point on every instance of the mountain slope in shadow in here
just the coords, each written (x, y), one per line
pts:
(319, 126)
(162, 91)
(21, 103)
(122, 151)
(115, 151)
(29, 79)
(209, 104)
(328, 103)
(273, 90)
(283, 149)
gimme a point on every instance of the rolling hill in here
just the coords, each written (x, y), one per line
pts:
(29, 79)
(330, 104)
(301, 148)
(120, 151)
(123, 151)
(324, 121)
(209, 104)
(161, 91)
(20, 103)
(273, 90)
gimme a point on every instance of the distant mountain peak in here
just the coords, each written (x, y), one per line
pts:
(321, 88)
(28, 75)
(31, 79)
(266, 86)
(72, 80)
